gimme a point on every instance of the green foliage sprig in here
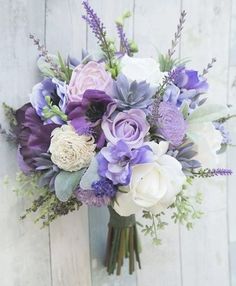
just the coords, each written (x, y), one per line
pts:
(155, 225)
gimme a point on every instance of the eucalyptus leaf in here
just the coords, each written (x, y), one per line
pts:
(90, 176)
(66, 183)
(208, 113)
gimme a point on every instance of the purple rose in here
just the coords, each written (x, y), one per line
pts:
(90, 76)
(115, 161)
(130, 126)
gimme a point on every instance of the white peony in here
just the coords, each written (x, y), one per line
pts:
(141, 69)
(207, 140)
(153, 186)
(70, 151)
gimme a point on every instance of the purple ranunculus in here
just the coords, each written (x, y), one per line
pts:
(33, 136)
(115, 161)
(55, 90)
(86, 116)
(187, 85)
(130, 126)
(171, 124)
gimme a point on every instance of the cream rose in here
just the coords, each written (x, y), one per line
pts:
(70, 151)
(153, 186)
(141, 69)
(208, 141)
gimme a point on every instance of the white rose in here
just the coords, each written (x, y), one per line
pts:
(70, 151)
(153, 186)
(208, 142)
(141, 69)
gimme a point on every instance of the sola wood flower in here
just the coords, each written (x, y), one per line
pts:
(70, 151)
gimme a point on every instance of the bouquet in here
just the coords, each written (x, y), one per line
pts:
(119, 131)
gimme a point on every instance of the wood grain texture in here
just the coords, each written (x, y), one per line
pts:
(154, 27)
(67, 255)
(232, 151)
(205, 250)
(69, 236)
(24, 248)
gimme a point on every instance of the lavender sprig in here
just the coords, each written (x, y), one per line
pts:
(124, 43)
(207, 173)
(99, 31)
(177, 36)
(44, 52)
(209, 66)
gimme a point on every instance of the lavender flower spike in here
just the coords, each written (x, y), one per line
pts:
(221, 172)
(94, 22)
(124, 43)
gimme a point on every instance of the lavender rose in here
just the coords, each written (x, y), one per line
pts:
(130, 126)
(90, 76)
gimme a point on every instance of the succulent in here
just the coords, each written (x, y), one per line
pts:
(48, 169)
(132, 95)
(185, 154)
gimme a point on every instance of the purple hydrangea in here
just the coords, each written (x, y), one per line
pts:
(187, 85)
(171, 124)
(136, 95)
(115, 161)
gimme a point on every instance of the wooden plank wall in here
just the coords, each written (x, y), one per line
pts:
(69, 253)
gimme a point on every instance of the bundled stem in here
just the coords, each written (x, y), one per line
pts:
(122, 242)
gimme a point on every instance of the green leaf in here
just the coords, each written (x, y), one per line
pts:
(66, 183)
(208, 113)
(90, 176)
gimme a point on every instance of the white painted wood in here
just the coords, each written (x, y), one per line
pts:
(154, 27)
(205, 250)
(232, 151)
(69, 236)
(24, 248)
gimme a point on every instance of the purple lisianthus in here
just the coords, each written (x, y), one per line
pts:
(52, 88)
(171, 124)
(33, 136)
(187, 85)
(115, 161)
(86, 116)
(130, 126)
